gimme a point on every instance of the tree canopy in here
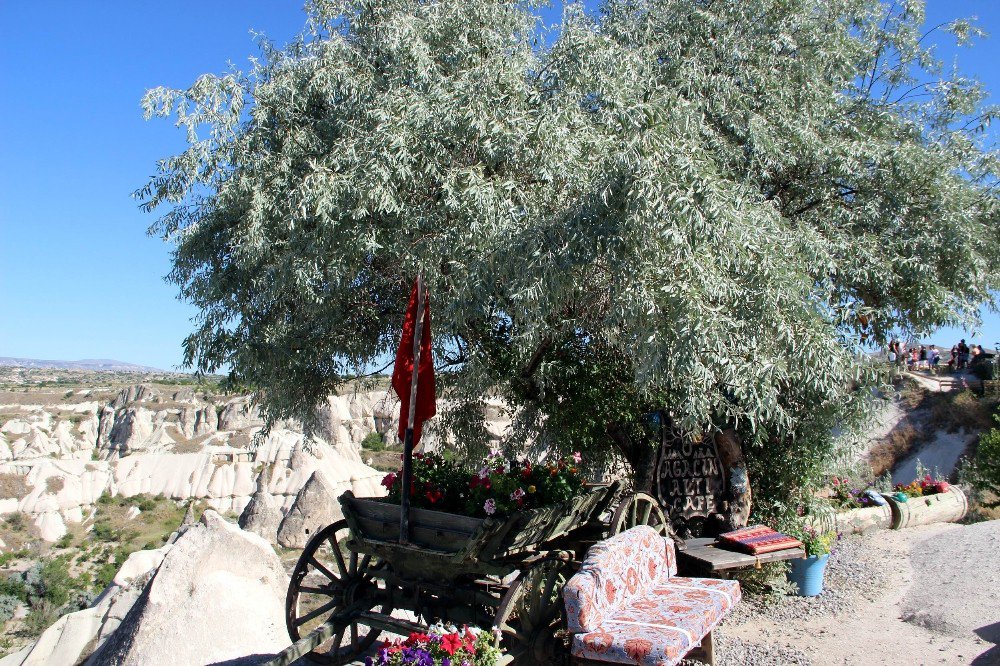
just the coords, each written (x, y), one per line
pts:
(707, 207)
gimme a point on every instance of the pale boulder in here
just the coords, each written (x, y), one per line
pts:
(217, 596)
(262, 516)
(51, 526)
(315, 507)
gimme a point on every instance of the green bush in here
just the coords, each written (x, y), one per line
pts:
(145, 503)
(984, 471)
(15, 522)
(40, 618)
(8, 604)
(104, 575)
(373, 442)
(103, 531)
(13, 586)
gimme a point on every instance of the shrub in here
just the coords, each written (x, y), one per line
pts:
(8, 605)
(373, 442)
(15, 522)
(13, 586)
(103, 531)
(145, 502)
(54, 484)
(66, 541)
(11, 555)
(984, 471)
(104, 575)
(40, 618)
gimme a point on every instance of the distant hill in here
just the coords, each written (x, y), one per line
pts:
(93, 364)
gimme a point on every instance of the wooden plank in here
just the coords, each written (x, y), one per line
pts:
(388, 623)
(384, 511)
(435, 538)
(305, 645)
(709, 557)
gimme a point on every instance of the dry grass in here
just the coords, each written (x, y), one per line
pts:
(12, 486)
(953, 411)
(897, 445)
(54, 484)
(943, 411)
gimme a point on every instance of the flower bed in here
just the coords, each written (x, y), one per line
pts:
(439, 647)
(499, 488)
(845, 497)
(926, 486)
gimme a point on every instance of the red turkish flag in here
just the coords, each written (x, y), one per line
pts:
(403, 372)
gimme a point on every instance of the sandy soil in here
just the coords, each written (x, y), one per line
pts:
(940, 455)
(870, 629)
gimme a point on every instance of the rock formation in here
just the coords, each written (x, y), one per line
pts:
(72, 447)
(315, 507)
(214, 595)
(213, 574)
(261, 516)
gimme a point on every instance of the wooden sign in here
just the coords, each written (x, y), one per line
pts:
(690, 481)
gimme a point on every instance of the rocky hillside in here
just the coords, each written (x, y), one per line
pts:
(69, 438)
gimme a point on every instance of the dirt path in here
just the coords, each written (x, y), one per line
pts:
(864, 623)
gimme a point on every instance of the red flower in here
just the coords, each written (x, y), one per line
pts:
(451, 643)
(389, 480)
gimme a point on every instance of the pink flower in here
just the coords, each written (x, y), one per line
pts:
(490, 507)
(517, 494)
(577, 458)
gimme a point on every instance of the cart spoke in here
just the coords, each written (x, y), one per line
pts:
(299, 621)
(326, 591)
(323, 570)
(647, 511)
(338, 556)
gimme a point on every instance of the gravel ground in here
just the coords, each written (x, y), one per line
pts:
(856, 571)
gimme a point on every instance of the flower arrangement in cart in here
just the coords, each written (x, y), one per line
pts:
(439, 647)
(499, 488)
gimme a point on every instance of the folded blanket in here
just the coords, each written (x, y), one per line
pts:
(757, 539)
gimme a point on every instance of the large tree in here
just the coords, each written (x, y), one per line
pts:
(706, 207)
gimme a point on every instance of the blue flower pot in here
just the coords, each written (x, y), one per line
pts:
(807, 574)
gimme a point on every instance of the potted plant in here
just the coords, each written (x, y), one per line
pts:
(440, 647)
(807, 573)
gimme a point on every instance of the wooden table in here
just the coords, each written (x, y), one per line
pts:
(703, 557)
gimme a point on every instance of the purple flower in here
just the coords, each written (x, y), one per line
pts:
(490, 507)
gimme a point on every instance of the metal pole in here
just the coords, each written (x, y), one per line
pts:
(404, 513)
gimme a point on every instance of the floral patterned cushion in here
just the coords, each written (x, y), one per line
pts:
(658, 630)
(626, 606)
(614, 572)
(629, 643)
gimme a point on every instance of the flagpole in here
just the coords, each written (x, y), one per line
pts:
(404, 512)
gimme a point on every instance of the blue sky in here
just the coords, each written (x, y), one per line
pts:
(79, 278)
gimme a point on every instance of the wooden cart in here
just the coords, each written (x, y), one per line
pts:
(355, 580)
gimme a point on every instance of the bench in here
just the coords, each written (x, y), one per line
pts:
(627, 605)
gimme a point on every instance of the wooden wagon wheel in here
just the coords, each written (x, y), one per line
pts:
(530, 614)
(638, 509)
(327, 578)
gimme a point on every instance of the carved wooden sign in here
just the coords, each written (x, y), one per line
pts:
(690, 480)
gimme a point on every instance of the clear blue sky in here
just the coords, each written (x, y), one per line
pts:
(79, 278)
